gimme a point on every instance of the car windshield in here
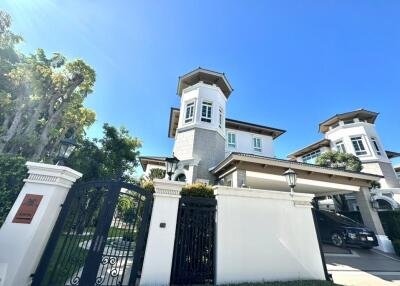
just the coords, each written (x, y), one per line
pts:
(342, 219)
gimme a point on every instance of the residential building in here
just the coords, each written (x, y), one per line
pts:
(355, 132)
(214, 149)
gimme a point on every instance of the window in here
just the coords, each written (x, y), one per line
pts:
(206, 111)
(340, 147)
(231, 140)
(375, 143)
(350, 121)
(189, 112)
(257, 144)
(221, 118)
(310, 157)
(335, 125)
(358, 145)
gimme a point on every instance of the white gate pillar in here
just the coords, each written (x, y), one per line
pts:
(25, 233)
(161, 238)
(371, 219)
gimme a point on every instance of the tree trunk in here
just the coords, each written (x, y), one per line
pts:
(12, 130)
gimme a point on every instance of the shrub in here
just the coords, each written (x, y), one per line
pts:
(148, 185)
(198, 190)
(12, 173)
(127, 236)
(339, 160)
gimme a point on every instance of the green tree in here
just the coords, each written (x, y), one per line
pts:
(12, 173)
(112, 157)
(340, 160)
(41, 98)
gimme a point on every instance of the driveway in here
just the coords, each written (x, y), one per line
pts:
(361, 267)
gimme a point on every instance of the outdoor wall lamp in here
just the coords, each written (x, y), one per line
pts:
(172, 163)
(291, 178)
(67, 146)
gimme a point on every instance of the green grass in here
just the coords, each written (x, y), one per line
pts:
(289, 283)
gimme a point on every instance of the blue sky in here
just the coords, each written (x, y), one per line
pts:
(292, 63)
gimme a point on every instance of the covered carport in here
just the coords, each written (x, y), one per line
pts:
(266, 173)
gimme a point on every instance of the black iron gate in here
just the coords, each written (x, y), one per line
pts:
(99, 237)
(193, 261)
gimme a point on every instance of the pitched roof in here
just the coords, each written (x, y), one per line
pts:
(392, 154)
(362, 114)
(312, 147)
(229, 123)
(206, 76)
(155, 160)
(270, 161)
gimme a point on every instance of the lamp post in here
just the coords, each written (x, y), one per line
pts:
(291, 178)
(67, 146)
(172, 163)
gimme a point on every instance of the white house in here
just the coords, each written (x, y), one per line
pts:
(220, 151)
(355, 132)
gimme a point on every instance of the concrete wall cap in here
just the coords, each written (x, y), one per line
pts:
(167, 187)
(221, 191)
(41, 169)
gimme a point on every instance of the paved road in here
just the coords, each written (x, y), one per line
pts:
(360, 267)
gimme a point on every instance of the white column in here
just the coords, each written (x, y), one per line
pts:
(371, 219)
(161, 238)
(22, 244)
(239, 178)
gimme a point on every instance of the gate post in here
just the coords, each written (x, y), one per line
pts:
(27, 228)
(161, 238)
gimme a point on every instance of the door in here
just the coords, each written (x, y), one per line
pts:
(99, 238)
(193, 260)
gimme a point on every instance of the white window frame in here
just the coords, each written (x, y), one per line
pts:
(209, 110)
(190, 119)
(232, 135)
(255, 146)
(376, 145)
(221, 118)
(312, 155)
(363, 143)
(340, 146)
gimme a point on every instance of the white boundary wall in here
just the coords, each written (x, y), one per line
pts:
(22, 245)
(265, 235)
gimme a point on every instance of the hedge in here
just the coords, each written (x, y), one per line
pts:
(396, 246)
(391, 224)
(198, 190)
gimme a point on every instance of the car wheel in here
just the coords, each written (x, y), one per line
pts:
(337, 240)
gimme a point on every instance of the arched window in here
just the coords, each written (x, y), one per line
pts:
(181, 178)
(384, 205)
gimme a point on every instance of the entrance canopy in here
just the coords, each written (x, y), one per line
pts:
(259, 172)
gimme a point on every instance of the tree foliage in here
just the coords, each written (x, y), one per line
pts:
(41, 98)
(12, 173)
(339, 160)
(156, 173)
(112, 157)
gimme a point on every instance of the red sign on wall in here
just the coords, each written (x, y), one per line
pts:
(27, 209)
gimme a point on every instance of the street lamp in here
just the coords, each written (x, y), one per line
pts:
(67, 146)
(172, 163)
(291, 178)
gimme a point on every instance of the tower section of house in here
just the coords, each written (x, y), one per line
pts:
(355, 132)
(200, 131)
